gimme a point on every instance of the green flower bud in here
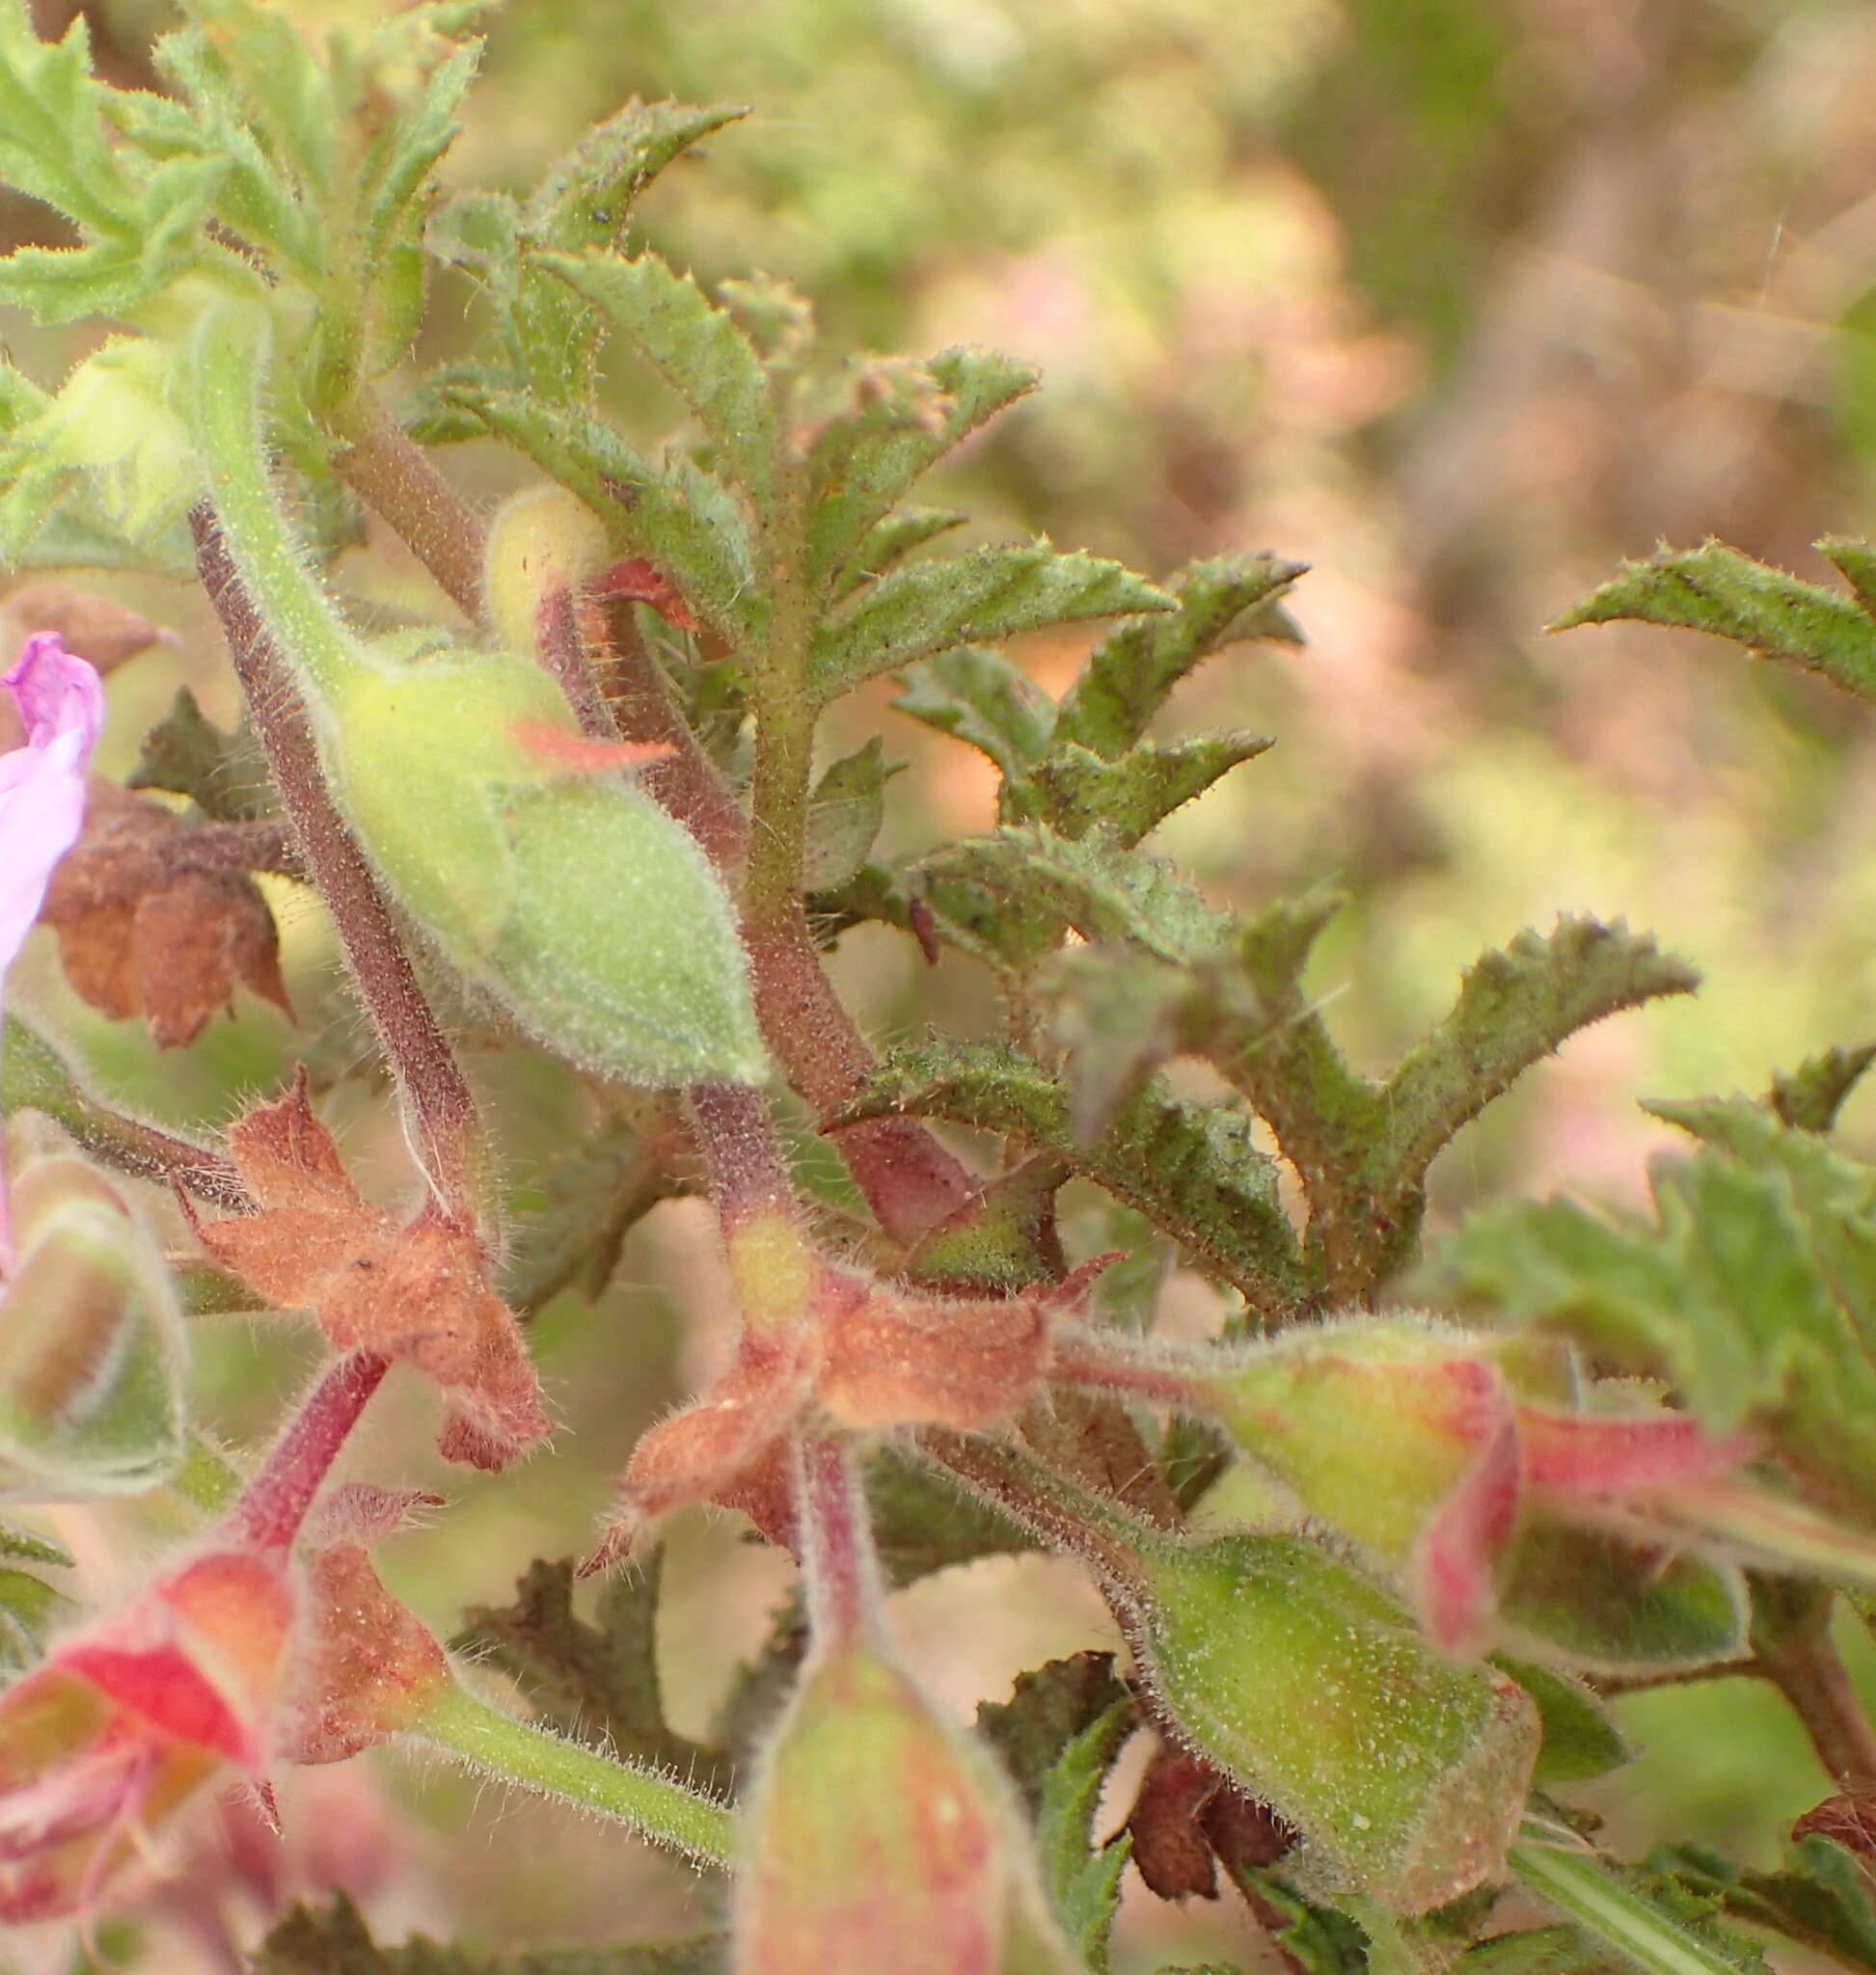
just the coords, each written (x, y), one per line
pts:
(570, 896)
(878, 1837)
(91, 1350)
(1403, 1773)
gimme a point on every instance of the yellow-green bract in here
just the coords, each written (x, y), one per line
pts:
(1405, 1773)
(570, 897)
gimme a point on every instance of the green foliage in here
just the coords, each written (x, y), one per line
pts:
(1753, 1293)
(598, 1681)
(1716, 589)
(186, 754)
(1580, 1737)
(1819, 1897)
(30, 1607)
(336, 1941)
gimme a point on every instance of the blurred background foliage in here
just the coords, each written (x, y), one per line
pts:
(1459, 301)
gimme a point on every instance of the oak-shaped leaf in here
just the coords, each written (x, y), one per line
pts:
(416, 1291)
(153, 920)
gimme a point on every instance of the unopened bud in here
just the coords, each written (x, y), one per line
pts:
(542, 541)
(878, 1838)
(570, 897)
(1403, 1773)
(91, 1348)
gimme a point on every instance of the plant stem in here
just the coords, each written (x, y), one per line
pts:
(1793, 1649)
(1582, 1887)
(771, 1256)
(397, 479)
(274, 1504)
(656, 1807)
(844, 1590)
(448, 1128)
(910, 1180)
(34, 1076)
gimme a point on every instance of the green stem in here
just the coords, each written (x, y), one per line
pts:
(227, 371)
(785, 716)
(654, 1806)
(1583, 1886)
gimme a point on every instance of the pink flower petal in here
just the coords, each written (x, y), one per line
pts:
(1458, 1555)
(42, 802)
(1603, 1455)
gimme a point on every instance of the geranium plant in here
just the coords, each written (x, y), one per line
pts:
(577, 818)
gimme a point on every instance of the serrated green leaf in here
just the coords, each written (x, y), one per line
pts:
(924, 1522)
(1082, 1880)
(334, 1940)
(1820, 1897)
(1050, 1709)
(1075, 791)
(977, 695)
(864, 463)
(52, 142)
(597, 1682)
(1856, 563)
(1600, 1604)
(1320, 1939)
(890, 540)
(585, 198)
(224, 775)
(56, 285)
(1543, 1951)
(1128, 679)
(258, 72)
(682, 519)
(695, 347)
(1514, 1008)
(989, 593)
(1581, 1738)
(845, 812)
(1194, 1170)
(584, 1205)
(1716, 589)
(1733, 1297)
(1097, 884)
(1809, 1097)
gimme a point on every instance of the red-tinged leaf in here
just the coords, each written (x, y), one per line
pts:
(1603, 1455)
(575, 754)
(636, 580)
(1457, 1562)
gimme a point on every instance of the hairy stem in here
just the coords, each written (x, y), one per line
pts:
(1063, 1516)
(1793, 1648)
(273, 1505)
(397, 479)
(656, 1807)
(34, 1076)
(771, 1256)
(844, 1590)
(448, 1128)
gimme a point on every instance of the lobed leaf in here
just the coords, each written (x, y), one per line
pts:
(1128, 679)
(695, 347)
(1082, 1878)
(224, 775)
(978, 696)
(53, 143)
(597, 1682)
(860, 464)
(1194, 1170)
(1075, 791)
(1809, 1097)
(1716, 589)
(989, 593)
(685, 521)
(845, 812)
(1820, 1896)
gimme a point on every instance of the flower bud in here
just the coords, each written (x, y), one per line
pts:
(1405, 1772)
(877, 1838)
(542, 540)
(91, 1348)
(128, 1720)
(571, 898)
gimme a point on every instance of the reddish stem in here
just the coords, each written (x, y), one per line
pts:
(836, 1543)
(442, 1109)
(737, 1136)
(274, 1505)
(397, 477)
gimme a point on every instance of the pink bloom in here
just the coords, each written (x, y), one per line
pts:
(129, 1720)
(42, 798)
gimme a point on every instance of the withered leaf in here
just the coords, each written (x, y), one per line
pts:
(416, 1291)
(94, 628)
(147, 925)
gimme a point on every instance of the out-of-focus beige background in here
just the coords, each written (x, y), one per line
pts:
(1459, 301)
